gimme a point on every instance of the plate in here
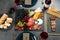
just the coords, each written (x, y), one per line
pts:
(20, 36)
(33, 2)
(19, 15)
(2, 29)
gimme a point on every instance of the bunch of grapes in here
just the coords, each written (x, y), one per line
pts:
(25, 19)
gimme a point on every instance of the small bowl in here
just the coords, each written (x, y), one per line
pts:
(2, 29)
(20, 36)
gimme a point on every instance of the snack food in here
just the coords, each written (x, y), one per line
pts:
(53, 23)
(3, 18)
(39, 27)
(39, 21)
(41, 15)
(35, 27)
(31, 13)
(1, 21)
(9, 20)
(53, 7)
(36, 15)
(5, 27)
(2, 26)
(20, 24)
(38, 10)
(30, 22)
(5, 21)
(7, 24)
(52, 17)
(53, 13)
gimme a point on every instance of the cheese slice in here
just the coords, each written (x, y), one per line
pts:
(36, 15)
(38, 10)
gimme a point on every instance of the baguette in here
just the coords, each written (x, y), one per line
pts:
(53, 13)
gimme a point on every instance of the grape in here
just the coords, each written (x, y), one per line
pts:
(25, 19)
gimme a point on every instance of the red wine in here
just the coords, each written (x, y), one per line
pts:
(17, 2)
(44, 35)
(47, 4)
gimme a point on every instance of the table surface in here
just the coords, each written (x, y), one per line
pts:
(11, 34)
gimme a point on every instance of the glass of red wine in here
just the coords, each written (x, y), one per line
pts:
(43, 36)
(18, 2)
